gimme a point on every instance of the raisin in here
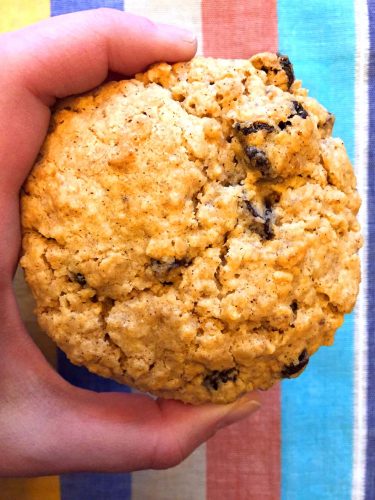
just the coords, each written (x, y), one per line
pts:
(253, 127)
(328, 124)
(161, 269)
(287, 66)
(253, 209)
(180, 263)
(264, 226)
(268, 230)
(94, 299)
(214, 379)
(290, 370)
(294, 306)
(160, 266)
(300, 110)
(330, 120)
(258, 159)
(69, 108)
(273, 198)
(79, 278)
(283, 125)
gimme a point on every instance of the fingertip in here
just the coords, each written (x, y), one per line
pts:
(239, 410)
(189, 426)
(175, 32)
(174, 35)
(164, 42)
(209, 417)
(222, 415)
(83, 46)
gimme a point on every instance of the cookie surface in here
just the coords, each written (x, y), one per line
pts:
(192, 232)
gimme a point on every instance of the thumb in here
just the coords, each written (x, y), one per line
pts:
(72, 53)
(67, 55)
(58, 57)
(112, 432)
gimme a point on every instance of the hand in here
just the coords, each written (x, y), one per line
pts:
(46, 425)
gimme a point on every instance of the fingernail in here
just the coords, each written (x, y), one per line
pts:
(185, 35)
(239, 410)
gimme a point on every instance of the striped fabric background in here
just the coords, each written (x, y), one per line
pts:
(315, 436)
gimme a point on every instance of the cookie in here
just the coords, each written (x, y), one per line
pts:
(192, 232)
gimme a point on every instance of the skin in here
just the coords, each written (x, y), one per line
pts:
(48, 426)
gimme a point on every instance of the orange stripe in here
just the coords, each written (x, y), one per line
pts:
(37, 488)
(238, 28)
(243, 461)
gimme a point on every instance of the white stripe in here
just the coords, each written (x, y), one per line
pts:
(187, 481)
(183, 13)
(361, 168)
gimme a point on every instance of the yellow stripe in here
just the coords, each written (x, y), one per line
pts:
(46, 488)
(15, 14)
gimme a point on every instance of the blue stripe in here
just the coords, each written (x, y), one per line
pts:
(317, 409)
(370, 459)
(81, 377)
(92, 486)
(59, 7)
(95, 486)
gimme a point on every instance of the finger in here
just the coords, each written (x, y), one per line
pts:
(67, 55)
(72, 53)
(58, 57)
(119, 433)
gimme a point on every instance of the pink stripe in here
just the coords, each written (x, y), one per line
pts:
(238, 28)
(243, 461)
